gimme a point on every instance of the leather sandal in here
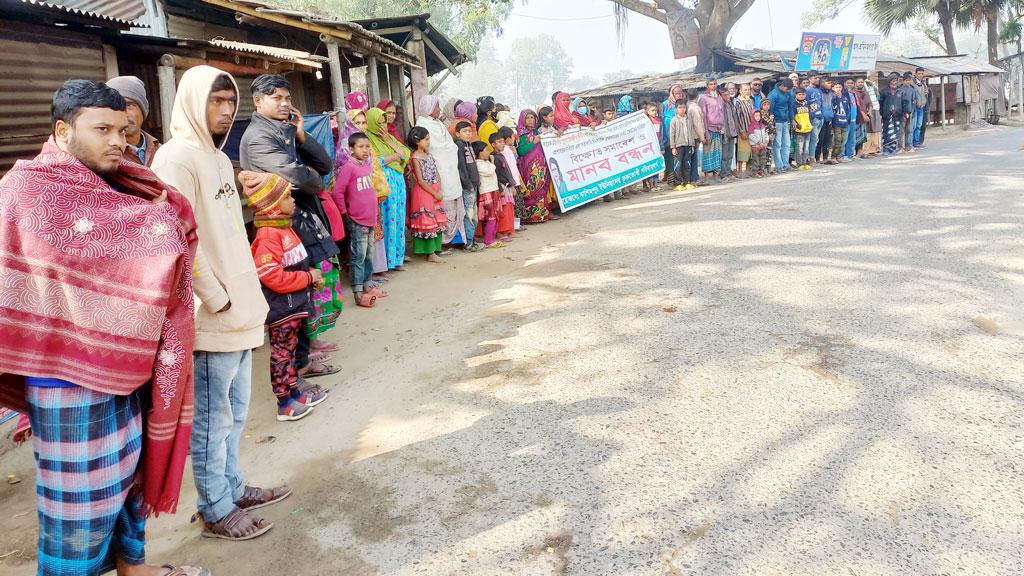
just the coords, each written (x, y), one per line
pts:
(185, 570)
(237, 526)
(253, 497)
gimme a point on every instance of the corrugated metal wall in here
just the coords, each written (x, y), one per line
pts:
(32, 67)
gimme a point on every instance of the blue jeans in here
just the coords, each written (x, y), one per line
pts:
(223, 387)
(780, 148)
(918, 122)
(812, 143)
(360, 250)
(469, 201)
(851, 140)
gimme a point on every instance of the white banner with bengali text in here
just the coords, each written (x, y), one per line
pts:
(588, 163)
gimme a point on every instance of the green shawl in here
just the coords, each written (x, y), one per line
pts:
(383, 143)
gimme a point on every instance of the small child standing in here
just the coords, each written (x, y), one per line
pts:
(768, 119)
(282, 265)
(759, 143)
(840, 123)
(518, 197)
(357, 201)
(489, 203)
(802, 129)
(652, 114)
(506, 187)
(427, 218)
(464, 136)
(681, 139)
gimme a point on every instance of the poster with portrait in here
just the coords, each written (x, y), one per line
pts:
(837, 52)
(588, 163)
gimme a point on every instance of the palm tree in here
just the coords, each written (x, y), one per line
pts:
(888, 14)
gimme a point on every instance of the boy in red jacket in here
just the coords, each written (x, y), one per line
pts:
(286, 277)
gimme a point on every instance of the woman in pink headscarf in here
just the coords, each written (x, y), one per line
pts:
(357, 101)
(563, 113)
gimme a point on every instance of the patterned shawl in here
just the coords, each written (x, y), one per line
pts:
(96, 289)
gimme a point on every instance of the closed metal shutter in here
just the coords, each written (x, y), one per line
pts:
(32, 67)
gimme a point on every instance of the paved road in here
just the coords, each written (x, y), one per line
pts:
(821, 373)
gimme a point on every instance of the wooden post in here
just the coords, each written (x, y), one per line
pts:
(372, 80)
(167, 83)
(337, 87)
(1020, 88)
(110, 61)
(384, 76)
(942, 99)
(419, 77)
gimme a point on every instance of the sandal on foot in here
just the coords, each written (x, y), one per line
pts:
(365, 300)
(185, 570)
(237, 526)
(323, 369)
(253, 497)
(376, 292)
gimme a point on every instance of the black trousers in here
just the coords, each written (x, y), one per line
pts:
(684, 156)
(824, 147)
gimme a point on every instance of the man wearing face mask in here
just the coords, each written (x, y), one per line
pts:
(96, 335)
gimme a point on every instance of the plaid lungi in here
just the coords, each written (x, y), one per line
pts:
(712, 159)
(87, 446)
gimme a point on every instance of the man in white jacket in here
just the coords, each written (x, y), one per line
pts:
(230, 307)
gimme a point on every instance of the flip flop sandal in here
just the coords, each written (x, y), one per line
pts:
(233, 526)
(253, 497)
(318, 355)
(185, 570)
(377, 292)
(325, 370)
(498, 244)
(366, 301)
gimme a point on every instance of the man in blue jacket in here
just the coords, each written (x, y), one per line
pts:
(907, 95)
(783, 108)
(824, 147)
(816, 109)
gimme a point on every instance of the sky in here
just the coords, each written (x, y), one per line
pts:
(586, 29)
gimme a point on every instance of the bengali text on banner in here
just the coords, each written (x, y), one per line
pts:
(589, 163)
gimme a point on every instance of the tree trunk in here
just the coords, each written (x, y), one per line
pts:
(946, 21)
(713, 33)
(992, 29)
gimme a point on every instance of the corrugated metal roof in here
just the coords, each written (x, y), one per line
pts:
(959, 64)
(660, 83)
(422, 21)
(311, 18)
(297, 56)
(123, 11)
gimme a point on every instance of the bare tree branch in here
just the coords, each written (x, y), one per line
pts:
(742, 6)
(644, 8)
(670, 6)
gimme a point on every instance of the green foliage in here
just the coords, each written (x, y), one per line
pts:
(467, 22)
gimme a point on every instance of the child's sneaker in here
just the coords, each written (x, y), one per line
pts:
(293, 410)
(310, 396)
(680, 188)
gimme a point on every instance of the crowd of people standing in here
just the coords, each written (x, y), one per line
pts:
(107, 234)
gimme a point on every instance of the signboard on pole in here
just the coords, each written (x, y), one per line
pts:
(588, 163)
(837, 52)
